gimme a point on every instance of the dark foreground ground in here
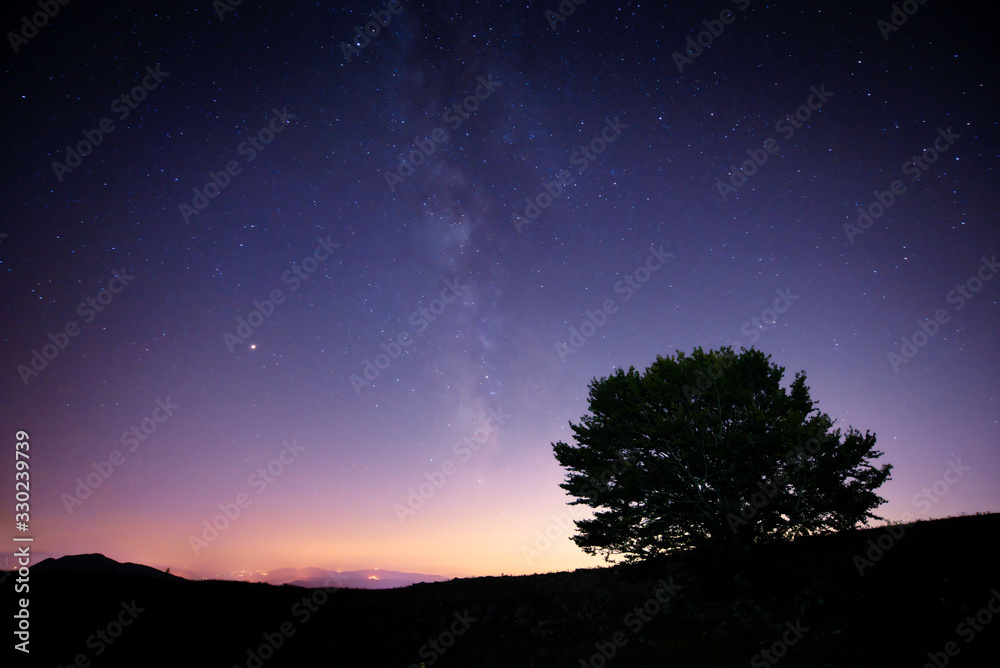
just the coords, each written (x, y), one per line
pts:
(805, 601)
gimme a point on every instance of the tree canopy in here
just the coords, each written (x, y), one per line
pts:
(709, 450)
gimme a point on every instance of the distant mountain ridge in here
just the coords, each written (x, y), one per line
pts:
(300, 577)
(363, 579)
(97, 563)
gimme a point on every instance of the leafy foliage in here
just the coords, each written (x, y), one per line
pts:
(709, 450)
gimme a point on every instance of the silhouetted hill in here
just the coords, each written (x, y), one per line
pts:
(96, 563)
(838, 600)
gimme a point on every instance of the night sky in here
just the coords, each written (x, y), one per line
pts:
(351, 295)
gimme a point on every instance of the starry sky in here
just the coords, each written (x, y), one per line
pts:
(337, 293)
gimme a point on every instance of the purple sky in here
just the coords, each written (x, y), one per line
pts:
(248, 170)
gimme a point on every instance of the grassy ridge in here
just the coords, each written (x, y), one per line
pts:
(719, 611)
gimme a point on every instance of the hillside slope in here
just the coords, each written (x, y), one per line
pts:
(825, 601)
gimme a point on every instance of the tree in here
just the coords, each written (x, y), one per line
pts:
(709, 450)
